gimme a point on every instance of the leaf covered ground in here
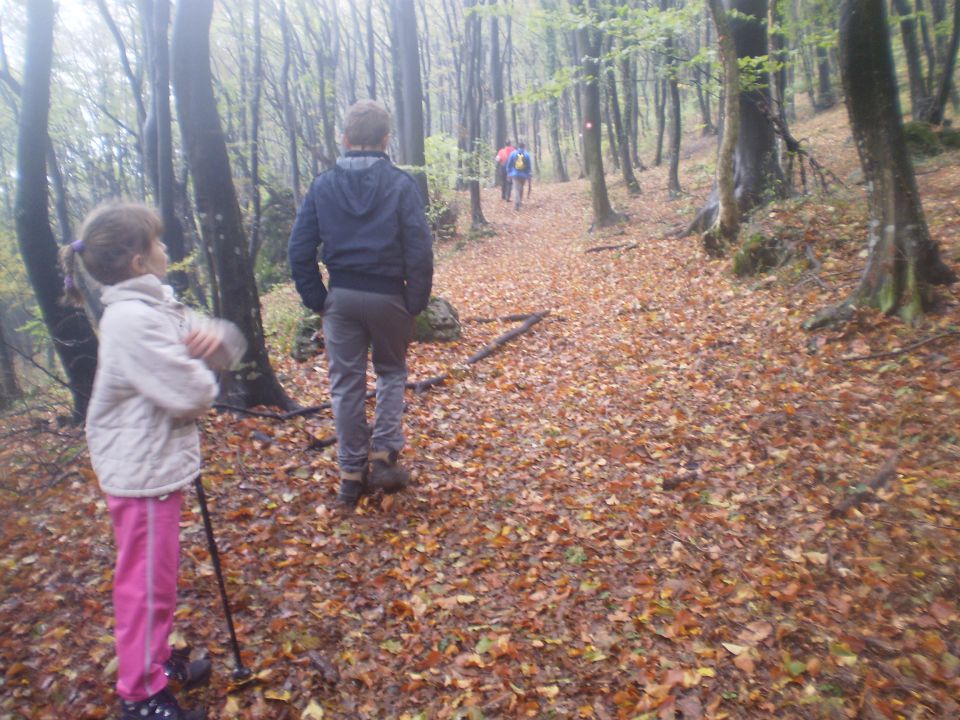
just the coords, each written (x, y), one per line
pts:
(624, 513)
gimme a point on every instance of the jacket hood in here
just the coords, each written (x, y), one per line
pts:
(147, 288)
(358, 181)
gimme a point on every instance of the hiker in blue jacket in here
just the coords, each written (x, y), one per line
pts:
(520, 170)
(367, 218)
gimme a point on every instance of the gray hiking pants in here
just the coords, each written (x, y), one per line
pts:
(353, 321)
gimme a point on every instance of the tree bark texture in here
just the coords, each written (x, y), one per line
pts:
(757, 173)
(73, 338)
(217, 206)
(904, 262)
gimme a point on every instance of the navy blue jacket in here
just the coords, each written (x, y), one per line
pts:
(367, 217)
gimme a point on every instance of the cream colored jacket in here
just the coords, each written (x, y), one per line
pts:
(148, 391)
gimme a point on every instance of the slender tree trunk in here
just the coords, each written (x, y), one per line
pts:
(589, 42)
(217, 205)
(727, 224)
(371, 54)
(660, 101)
(623, 144)
(9, 387)
(411, 139)
(496, 86)
(553, 110)
(945, 87)
(73, 338)
(919, 98)
(904, 261)
(257, 82)
(474, 55)
(289, 115)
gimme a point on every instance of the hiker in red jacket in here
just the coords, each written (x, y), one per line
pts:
(503, 178)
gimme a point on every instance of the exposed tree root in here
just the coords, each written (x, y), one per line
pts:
(887, 472)
(901, 351)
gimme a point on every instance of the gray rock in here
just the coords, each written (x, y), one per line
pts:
(308, 338)
(438, 323)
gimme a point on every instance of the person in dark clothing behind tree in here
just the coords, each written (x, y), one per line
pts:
(367, 217)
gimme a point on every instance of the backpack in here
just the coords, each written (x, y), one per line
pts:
(520, 163)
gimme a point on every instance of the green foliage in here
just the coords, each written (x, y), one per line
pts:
(922, 141)
(757, 254)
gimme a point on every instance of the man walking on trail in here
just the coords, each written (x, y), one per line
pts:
(502, 177)
(367, 217)
(520, 170)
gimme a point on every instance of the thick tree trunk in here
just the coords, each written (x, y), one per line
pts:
(217, 206)
(757, 173)
(73, 338)
(904, 262)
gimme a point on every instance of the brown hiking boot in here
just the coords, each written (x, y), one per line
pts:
(385, 473)
(352, 488)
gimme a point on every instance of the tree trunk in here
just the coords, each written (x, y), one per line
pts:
(945, 87)
(73, 338)
(660, 105)
(496, 86)
(904, 262)
(9, 387)
(623, 141)
(919, 97)
(411, 139)
(257, 81)
(474, 55)
(220, 222)
(757, 173)
(289, 115)
(553, 110)
(589, 42)
(158, 23)
(726, 226)
(371, 54)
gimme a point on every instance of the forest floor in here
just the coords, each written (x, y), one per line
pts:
(630, 511)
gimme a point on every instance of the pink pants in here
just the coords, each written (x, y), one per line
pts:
(147, 533)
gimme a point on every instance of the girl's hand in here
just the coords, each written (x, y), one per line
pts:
(205, 344)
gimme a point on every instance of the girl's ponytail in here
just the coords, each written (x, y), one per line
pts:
(68, 261)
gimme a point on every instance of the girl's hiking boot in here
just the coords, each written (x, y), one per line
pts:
(187, 673)
(162, 705)
(385, 473)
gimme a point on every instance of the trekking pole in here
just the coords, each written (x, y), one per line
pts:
(241, 674)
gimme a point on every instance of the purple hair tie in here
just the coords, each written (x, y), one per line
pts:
(68, 283)
(77, 246)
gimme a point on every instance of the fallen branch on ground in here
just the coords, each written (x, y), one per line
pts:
(886, 473)
(418, 386)
(622, 246)
(901, 351)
